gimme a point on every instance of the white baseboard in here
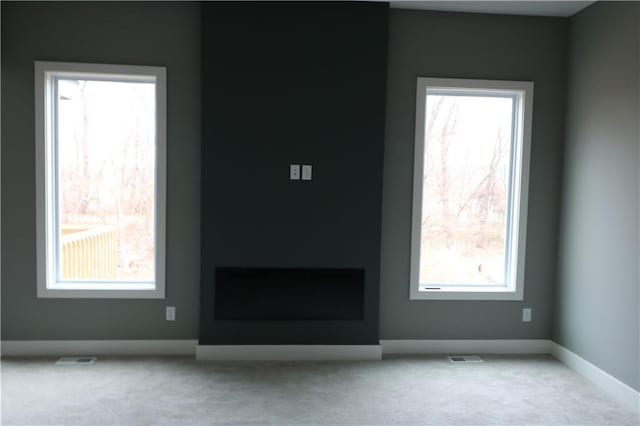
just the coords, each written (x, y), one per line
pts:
(620, 391)
(486, 347)
(288, 352)
(96, 347)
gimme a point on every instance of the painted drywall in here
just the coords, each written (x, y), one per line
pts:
(597, 304)
(436, 44)
(164, 34)
(292, 83)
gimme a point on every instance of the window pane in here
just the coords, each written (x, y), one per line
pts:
(465, 188)
(105, 189)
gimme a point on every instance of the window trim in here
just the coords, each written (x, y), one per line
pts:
(47, 286)
(520, 185)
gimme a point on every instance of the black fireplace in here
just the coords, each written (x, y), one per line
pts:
(289, 294)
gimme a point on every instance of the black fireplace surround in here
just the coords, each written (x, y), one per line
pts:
(292, 262)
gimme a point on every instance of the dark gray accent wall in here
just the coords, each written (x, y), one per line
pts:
(597, 304)
(432, 44)
(292, 83)
(162, 34)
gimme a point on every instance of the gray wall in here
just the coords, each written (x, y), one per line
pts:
(166, 34)
(599, 244)
(597, 304)
(435, 44)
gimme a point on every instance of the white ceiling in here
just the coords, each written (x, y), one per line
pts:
(514, 7)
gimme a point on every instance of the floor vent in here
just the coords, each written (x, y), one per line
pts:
(465, 358)
(76, 361)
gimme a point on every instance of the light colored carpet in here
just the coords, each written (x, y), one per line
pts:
(533, 390)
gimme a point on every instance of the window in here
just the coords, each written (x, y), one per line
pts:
(471, 172)
(101, 167)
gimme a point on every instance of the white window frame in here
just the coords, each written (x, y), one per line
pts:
(48, 286)
(521, 152)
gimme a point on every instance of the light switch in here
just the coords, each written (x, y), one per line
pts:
(294, 172)
(526, 315)
(306, 172)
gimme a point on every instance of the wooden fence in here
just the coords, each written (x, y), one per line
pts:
(88, 252)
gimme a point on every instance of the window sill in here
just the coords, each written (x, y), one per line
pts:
(102, 291)
(465, 293)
